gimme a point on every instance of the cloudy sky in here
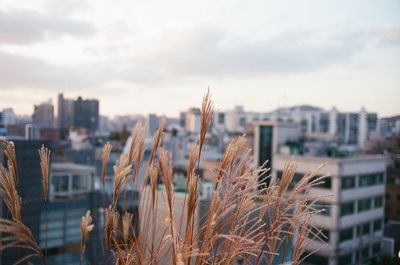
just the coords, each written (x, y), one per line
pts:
(160, 56)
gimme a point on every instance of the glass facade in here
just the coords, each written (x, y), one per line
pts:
(265, 149)
(324, 122)
(341, 128)
(353, 128)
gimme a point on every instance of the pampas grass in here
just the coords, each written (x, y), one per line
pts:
(86, 227)
(105, 155)
(8, 183)
(16, 235)
(44, 154)
(246, 220)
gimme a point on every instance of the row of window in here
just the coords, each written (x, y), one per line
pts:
(366, 180)
(347, 259)
(61, 182)
(348, 182)
(360, 230)
(326, 183)
(363, 205)
(324, 208)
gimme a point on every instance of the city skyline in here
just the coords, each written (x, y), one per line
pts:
(153, 57)
(176, 115)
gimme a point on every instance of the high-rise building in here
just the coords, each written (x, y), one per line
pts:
(71, 193)
(43, 115)
(30, 190)
(65, 112)
(86, 114)
(79, 113)
(352, 195)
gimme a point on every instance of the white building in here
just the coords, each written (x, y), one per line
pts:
(352, 195)
(346, 128)
(351, 129)
(69, 180)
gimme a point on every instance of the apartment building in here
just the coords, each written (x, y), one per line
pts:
(352, 195)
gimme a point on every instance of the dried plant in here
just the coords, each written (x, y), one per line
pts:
(111, 217)
(207, 114)
(14, 234)
(121, 171)
(44, 154)
(86, 227)
(8, 192)
(9, 151)
(126, 225)
(105, 155)
(246, 220)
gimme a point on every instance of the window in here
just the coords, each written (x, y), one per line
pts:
(75, 182)
(319, 234)
(60, 183)
(315, 259)
(377, 225)
(364, 205)
(363, 230)
(379, 178)
(378, 202)
(326, 183)
(346, 234)
(348, 183)
(324, 208)
(376, 248)
(370, 179)
(365, 252)
(295, 179)
(366, 180)
(346, 259)
(347, 208)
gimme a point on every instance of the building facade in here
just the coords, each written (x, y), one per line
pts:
(79, 113)
(352, 195)
(43, 115)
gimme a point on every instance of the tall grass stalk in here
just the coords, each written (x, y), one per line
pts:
(245, 220)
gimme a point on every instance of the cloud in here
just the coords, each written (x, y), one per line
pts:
(19, 71)
(62, 7)
(27, 26)
(190, 55)
(390, 35)
(213, 53)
